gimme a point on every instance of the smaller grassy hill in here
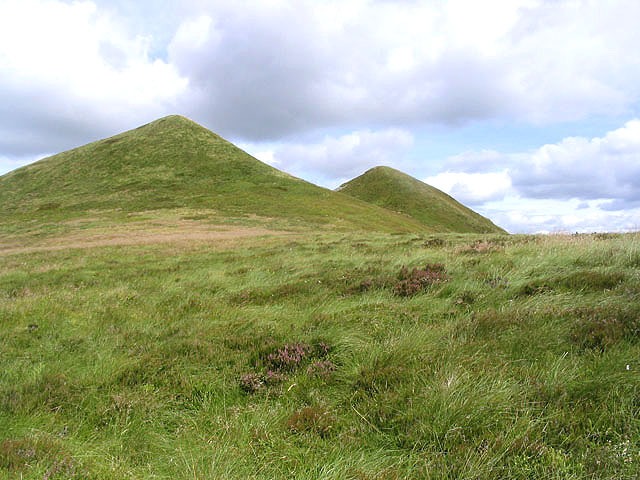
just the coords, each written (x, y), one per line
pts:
(397, 191)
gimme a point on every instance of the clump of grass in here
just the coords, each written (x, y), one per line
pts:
(269, 295)
(55, 391)
(22, 454)
(360, 280)
(537, 287)
(314, 419)
(491, 322)
(411, 282)
(378, 377)
(581, 281)
(496, 281)
(465, 299)
(17, 453)
(597, 333)
(369, 283)
(253, 382)
(601, 328)
(64, 468)
(480, 247)
(590, 280)
(434, 242)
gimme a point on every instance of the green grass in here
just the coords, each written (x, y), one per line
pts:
(399, 192)
(175, 164)
(128, 361)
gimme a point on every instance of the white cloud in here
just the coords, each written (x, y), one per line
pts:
(66, 69)
(573, 59)
(336, 159)
(582, 184)
(523, 215)
(606, 167)
(473, 188)
(260, 70)
(601, 167)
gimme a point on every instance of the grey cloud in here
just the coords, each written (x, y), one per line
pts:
(253, 77)
(253, 81)
(619, 205)
(78, 78)
(269, 72)
(35, 122)
(38, 121)
(341, 158)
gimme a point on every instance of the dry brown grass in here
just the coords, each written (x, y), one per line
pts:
(182, 232)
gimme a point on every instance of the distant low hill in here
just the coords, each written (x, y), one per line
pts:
(174, 163)
(399, 192)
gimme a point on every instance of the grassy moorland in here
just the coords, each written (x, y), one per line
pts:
(320, 356)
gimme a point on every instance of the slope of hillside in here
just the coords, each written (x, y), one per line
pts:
(174, 163)
(397, 191)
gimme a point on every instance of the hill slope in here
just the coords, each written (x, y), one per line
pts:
(397, 191)
(174, 163)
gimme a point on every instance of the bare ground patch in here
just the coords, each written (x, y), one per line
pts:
(180, 233)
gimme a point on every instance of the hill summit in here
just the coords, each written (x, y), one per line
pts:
(174, 163)
(399, 192)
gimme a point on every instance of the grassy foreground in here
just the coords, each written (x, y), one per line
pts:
(304, 356)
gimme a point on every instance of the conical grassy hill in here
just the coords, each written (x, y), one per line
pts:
(174, 163)
(399, 192)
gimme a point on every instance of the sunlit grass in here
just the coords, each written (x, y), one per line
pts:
(127, 361)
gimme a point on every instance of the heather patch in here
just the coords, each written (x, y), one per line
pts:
(481, 247)
(22, 456)
(274, 366)
(411, 282)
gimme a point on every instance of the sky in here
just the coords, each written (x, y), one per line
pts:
(527, 111)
